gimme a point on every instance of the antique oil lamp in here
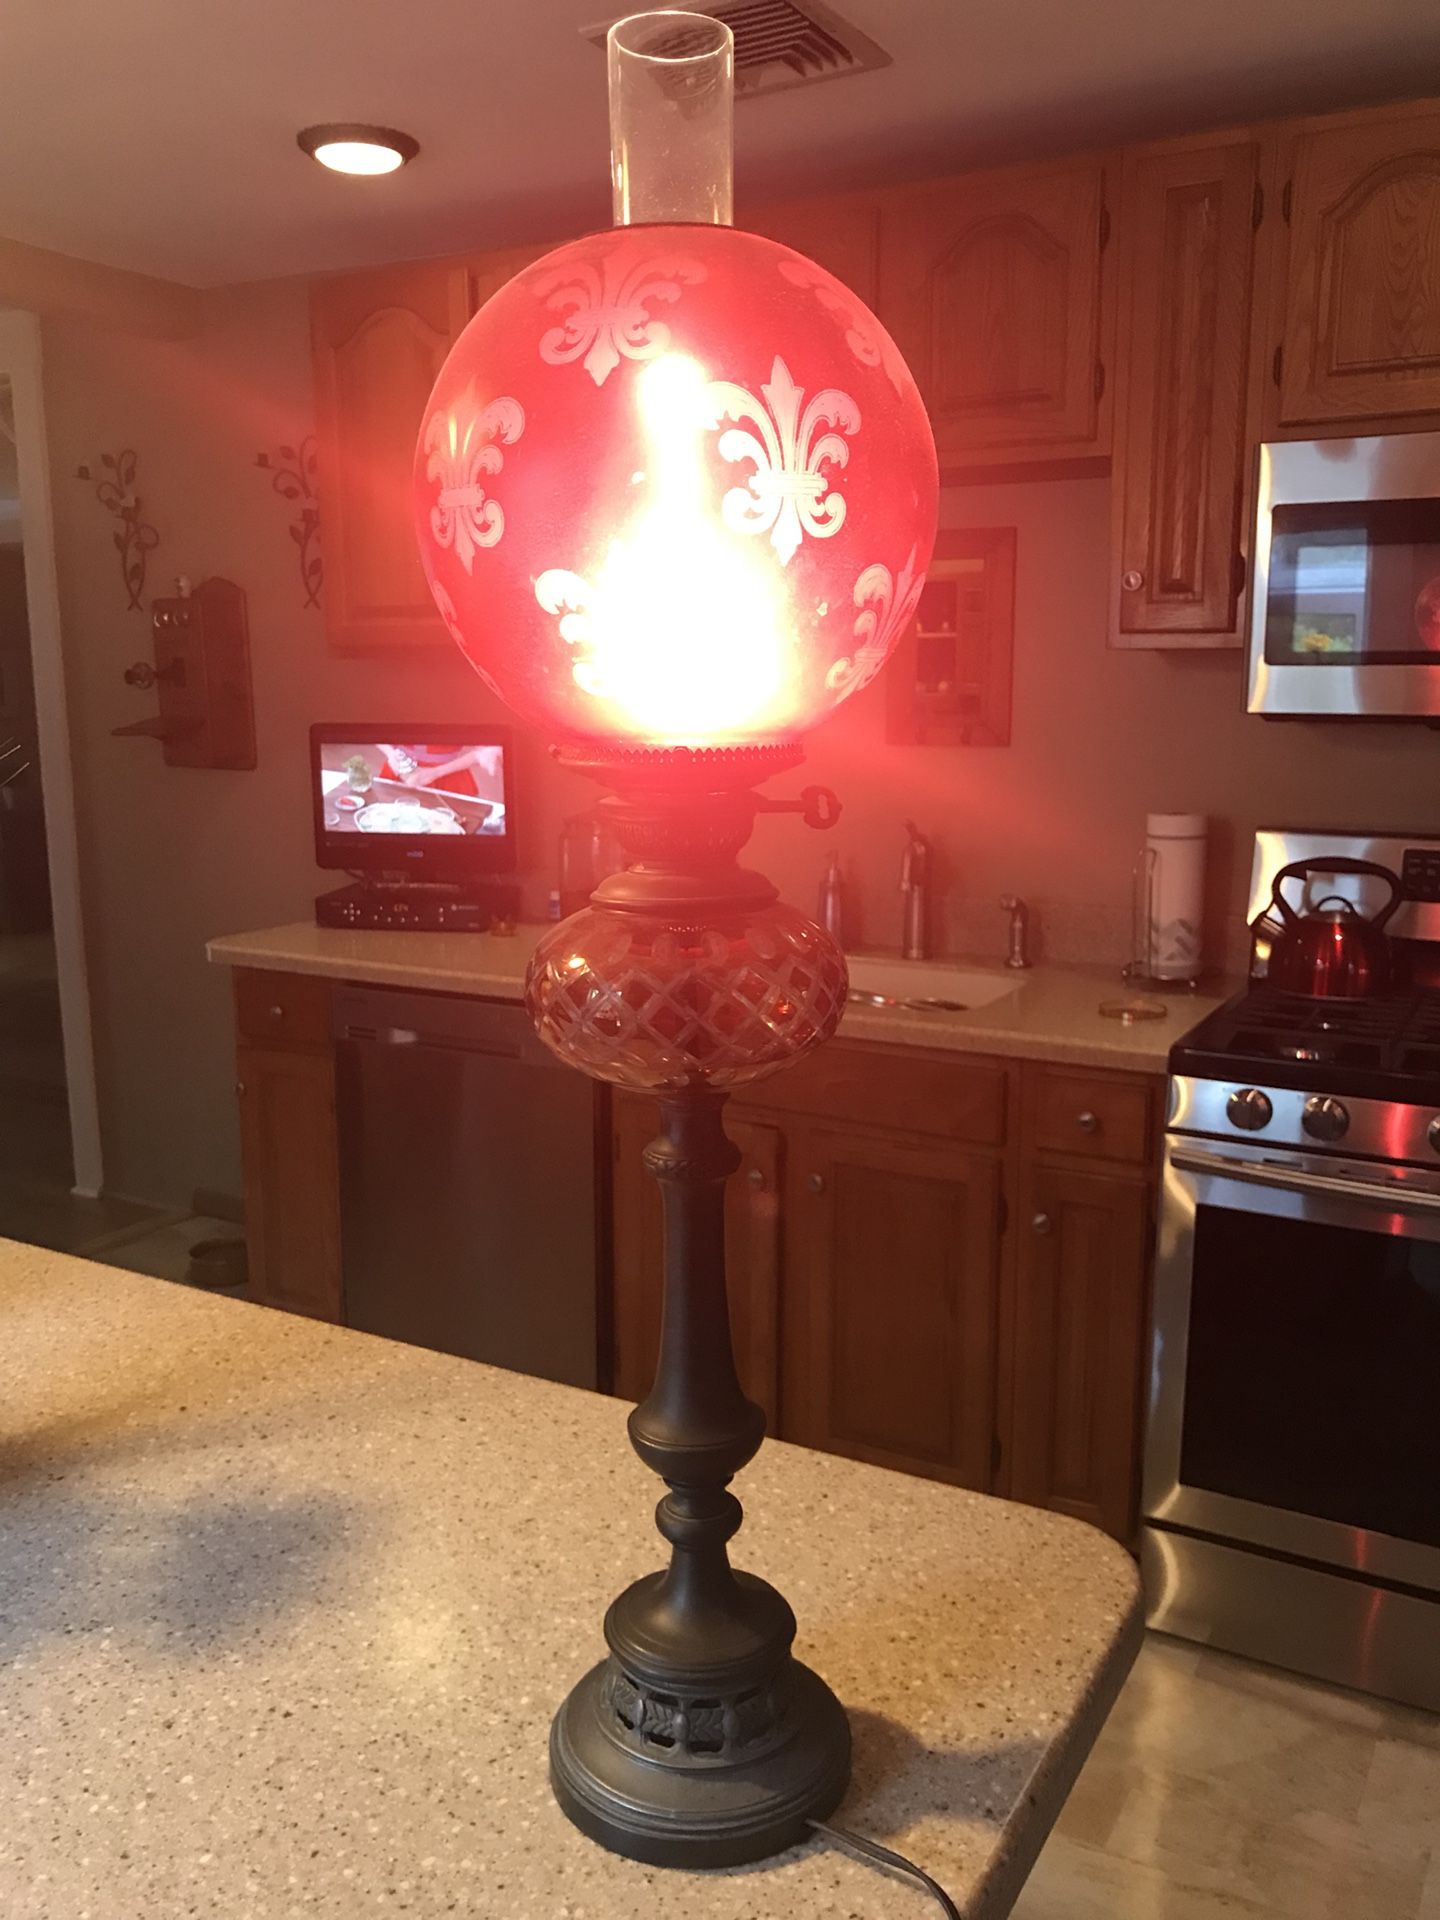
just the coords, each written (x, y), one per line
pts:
(675, 496)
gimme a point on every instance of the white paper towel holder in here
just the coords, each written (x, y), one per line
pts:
(1138, 972)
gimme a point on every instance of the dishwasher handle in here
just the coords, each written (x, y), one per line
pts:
(445, 1023)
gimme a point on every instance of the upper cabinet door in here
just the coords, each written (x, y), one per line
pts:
(842, 234)
(379, 340)
(489, 272)
(992, 287)
(1360, 329)
(1186, 228)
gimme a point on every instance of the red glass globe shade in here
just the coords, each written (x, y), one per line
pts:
(675, 486)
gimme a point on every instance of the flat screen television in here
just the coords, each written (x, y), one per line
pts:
(427, 800)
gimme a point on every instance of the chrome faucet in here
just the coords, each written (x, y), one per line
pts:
(915, 895)
(1019, 929)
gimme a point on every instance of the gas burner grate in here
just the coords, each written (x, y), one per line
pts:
(1394, 1037)
(1295, 1013)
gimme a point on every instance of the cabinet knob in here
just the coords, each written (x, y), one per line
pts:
(240, 1089)
(1087, 1122)
(756, 1177)
(277, 1014)
(1132, 580)
(816, 1183)
(1042, 1223)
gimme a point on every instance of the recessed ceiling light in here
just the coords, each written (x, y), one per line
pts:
(346, 147)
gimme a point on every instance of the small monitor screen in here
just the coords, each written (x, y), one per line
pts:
(435, 796)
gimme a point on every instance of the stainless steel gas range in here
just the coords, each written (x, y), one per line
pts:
(1292, 1471)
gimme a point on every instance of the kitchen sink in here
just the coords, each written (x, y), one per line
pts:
(925, 985)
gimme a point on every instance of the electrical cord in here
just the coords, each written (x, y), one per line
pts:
(878, 1856)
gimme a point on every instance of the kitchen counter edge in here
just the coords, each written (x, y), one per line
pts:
(1053, 1013)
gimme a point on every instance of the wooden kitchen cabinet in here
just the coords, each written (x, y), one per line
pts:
(891, 1300)
(993, 286)
(842, 233)
(1186, 224)
(752, 1252)
(290, 1163)
(489, 272)
(1076, 1310)
(892, 1296)
(1079, 1321)
(378, 342)
(1356, 318)
(285, 1082)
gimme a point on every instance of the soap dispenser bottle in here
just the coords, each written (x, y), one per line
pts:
(832, 900)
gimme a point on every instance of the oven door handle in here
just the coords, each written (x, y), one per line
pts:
(1296, 1180)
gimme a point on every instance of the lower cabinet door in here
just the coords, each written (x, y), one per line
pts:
(292, 1178)
(752, 1253)
(1079, 1318)
(890, 1306)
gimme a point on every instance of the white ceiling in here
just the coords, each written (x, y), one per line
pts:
(160, 136)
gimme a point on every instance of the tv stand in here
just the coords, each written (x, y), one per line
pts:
(397, 903)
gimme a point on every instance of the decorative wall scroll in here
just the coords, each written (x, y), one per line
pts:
(293, 478)
(135, 538)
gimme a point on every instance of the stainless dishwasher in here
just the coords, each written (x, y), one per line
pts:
(467, 1182)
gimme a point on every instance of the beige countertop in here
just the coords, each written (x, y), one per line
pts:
(1052, 1014)
(285, 1611)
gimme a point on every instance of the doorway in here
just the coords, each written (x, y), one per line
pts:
(50, 1160)
(37, 1164)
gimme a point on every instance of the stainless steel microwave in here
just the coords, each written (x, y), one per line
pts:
(1345, 613)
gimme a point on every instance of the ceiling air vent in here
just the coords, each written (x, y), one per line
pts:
(779, 44)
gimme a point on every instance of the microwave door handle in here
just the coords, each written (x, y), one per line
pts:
(1295, 1180)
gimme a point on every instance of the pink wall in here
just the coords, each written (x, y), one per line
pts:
(172, 857)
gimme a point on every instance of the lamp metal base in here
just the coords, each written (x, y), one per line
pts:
(700, 1741)
(676, 1808)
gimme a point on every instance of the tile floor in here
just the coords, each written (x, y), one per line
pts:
(162, 1246)
(1220, 1790)
(36, 1204)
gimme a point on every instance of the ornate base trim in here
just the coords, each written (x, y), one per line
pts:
(738, 1780)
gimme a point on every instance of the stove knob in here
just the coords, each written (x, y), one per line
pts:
(1434, 1133)
(1325, 1119)
(1249, 1109)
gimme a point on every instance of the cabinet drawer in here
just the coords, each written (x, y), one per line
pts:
(947, 1096)
(1098, 1115)
(282, 1008)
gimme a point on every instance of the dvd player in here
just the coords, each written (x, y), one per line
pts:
(404, 907)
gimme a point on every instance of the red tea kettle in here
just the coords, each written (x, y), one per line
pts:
(1333, 951)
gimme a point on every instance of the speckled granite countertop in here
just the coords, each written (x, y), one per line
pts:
(1052, 1014)
(285, 1611)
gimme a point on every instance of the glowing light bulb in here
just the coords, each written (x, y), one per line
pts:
(681, 633)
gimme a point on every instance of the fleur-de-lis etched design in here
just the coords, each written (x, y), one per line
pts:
(569, 595)
(463, 443)
(606, 303)
(886, 606)
(864, 335)
(788, 495)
